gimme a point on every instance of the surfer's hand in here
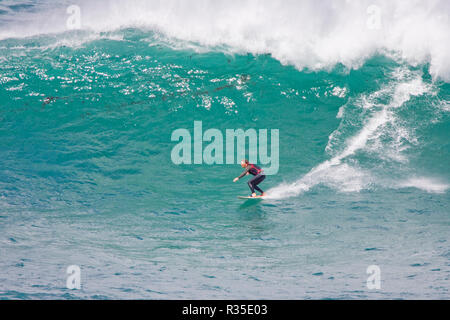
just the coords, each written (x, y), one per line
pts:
(235, 179)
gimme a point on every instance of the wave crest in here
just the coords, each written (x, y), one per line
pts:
(307, 34)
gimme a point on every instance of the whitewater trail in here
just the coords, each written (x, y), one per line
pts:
(342, 171)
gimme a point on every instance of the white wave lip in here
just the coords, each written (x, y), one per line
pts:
(307, 34)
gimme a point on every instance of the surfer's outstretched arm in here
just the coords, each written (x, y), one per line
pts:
(245, 172)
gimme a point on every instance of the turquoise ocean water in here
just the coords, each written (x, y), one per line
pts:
(86, 176)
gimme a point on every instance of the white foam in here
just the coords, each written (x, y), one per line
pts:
(346, 176)
(339, 92)
(307, 34)
(427, 184)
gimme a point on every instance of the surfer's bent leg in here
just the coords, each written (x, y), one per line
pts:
(253, 183)
(250, 185)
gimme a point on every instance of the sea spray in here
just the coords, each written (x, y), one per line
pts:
(306, 34)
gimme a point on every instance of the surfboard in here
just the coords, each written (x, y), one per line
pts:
(248, 197)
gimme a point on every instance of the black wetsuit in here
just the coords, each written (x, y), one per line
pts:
(257, 179)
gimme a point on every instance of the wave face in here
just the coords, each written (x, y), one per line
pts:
(86, 177)
(382, 135)
(306, 34)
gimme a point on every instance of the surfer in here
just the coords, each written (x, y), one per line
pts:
(257, 172)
